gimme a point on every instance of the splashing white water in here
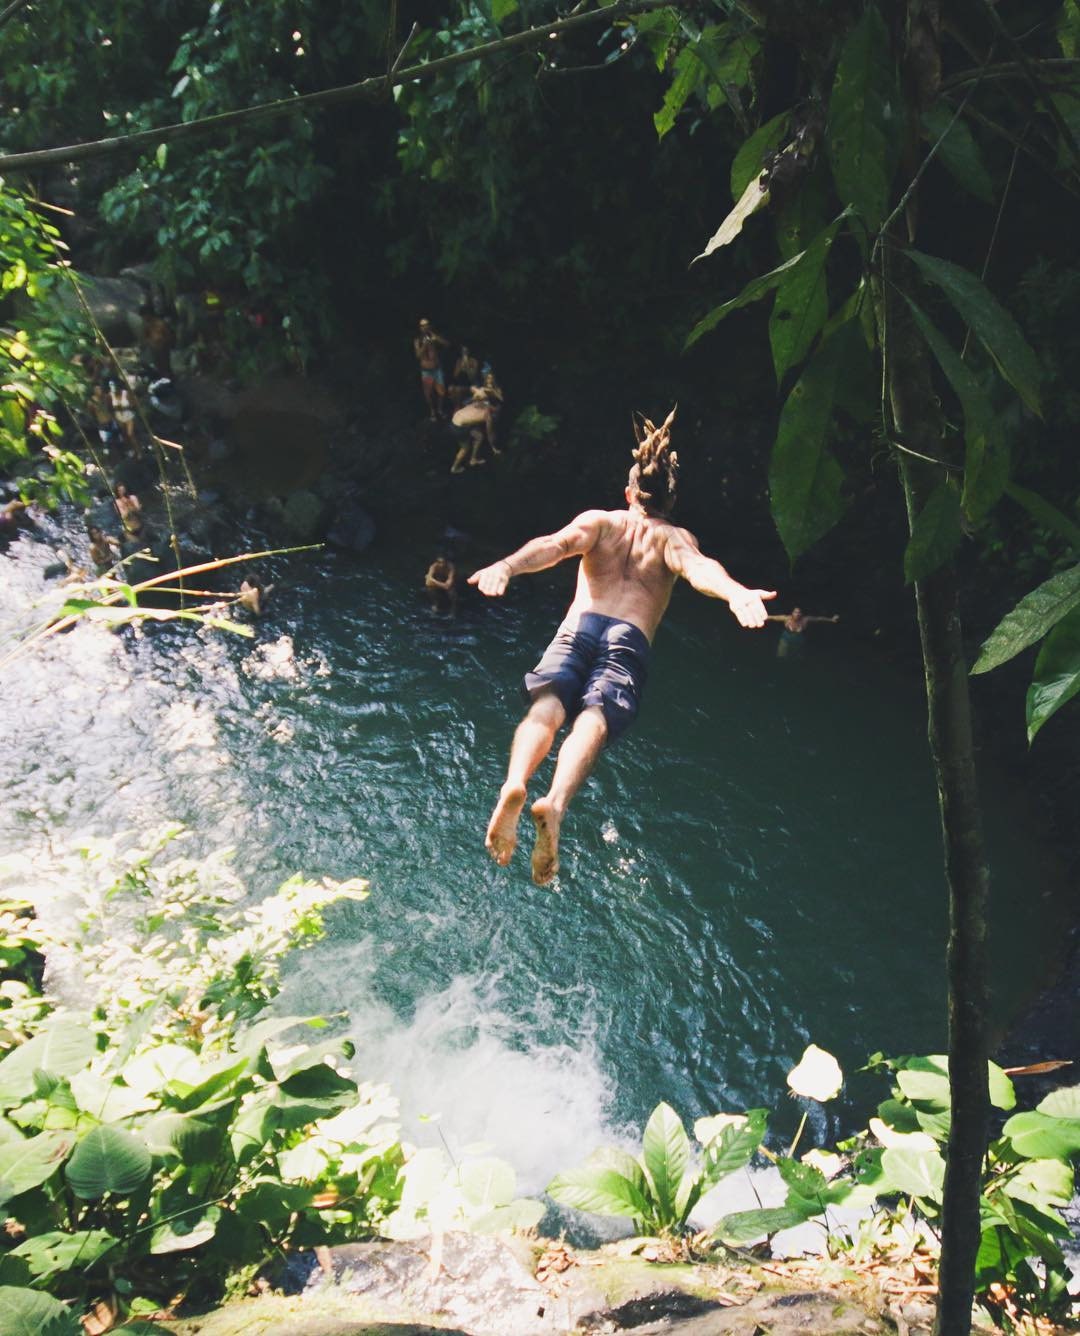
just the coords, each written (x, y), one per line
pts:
(466, 1071)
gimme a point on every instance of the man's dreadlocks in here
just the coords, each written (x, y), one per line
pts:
(655, 474)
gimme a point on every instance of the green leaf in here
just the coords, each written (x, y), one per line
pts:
(519, 1215)
(926, 1081)
(167, 1065)
(688, 74)
(935, 535)
(734, 1148)
(666, 1151)
(1056, 679)
(502, 9)
(271, 1202)
(191, 1140)
(29, 1313)
(1031, 619)
(749, 162)
(314, 1093)
(108, 1160)
(986, 460)
(744, 1226)
(958, 152)
(63, 1049)
(801, 306)
(916, 1173)
(804, 478)
(1063, 1103)
(487, 1182)
(45, 1254)
(864, 111)
(190, 1229)
(610, 1182)
(27, 1164)
(1043, 1183)
(1037, 1136)
(1045, 514)
(990, 323)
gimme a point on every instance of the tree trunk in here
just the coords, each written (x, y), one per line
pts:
(948, 705)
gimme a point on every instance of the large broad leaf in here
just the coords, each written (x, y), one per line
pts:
(187, 1230)
(804, 478)
(610, 1182)
(863, 119)
(754, 197)
(108, 1160)
(65, 1048)
(1056, 679)
(487, 1182)
(801, 306)
(986, 459)
(749, 162)
(27, 1164)
(958, 152)
(29, 1313)
(1045, 514)
(45, 1254)
(744, 1226)
(516, 1216)
(990, 323)
(1043, 1183)
(935, 535)
(271, 1202)
(314, 1093)
(191, 1140)
(916, 1173)
(1037, 1136)
(1036, 614)
(168, 1065)
(666, 1151)
(926, 1081)
(1063, 1103)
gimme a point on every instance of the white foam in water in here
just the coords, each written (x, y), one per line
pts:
(465, 1071)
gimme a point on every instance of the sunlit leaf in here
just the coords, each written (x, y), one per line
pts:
(688, 74)
(918, 1172)
(1063, 1103)
(935, 535)
(1043, 1183)
(754, 197)
(864, 105)
(817, 1075)
(1033, 617)
(889, 1136)
(27, 1164)
(190, 1229)
(1039, 1136)
(990, 323)
(55, 1251)
(65, 1048)
(666, 1151)
(745, 1226)
(1056, 678)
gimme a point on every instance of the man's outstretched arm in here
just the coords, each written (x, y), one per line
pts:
(577, 538)
(708, 577)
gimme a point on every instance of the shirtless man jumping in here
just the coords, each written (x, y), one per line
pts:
(594, 670)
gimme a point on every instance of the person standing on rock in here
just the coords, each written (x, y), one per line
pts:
(593, 672)
(426, 346)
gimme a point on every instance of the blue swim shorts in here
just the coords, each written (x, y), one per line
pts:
(599, 661)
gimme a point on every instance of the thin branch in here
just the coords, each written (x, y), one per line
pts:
(1012, 70)
(10, 11)
(1048, 167)
(371, 88)
(401, 56)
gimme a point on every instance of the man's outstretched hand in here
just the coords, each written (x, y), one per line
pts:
(492, 580)
(748, 606)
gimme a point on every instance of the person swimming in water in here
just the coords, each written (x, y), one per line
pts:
(795, 623)
(593, 672)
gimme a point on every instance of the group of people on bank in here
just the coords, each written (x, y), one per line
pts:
(469, 397)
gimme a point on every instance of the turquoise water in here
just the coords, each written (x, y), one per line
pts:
(756, 866)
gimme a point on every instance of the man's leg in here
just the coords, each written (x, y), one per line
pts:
(577, 756)
(531, 744)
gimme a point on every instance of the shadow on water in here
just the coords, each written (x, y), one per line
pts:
(755, 867)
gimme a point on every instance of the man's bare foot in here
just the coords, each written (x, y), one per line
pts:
(545, 855)
(501, 838)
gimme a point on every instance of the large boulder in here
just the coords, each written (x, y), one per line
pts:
(305, 517)
(113, 302)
